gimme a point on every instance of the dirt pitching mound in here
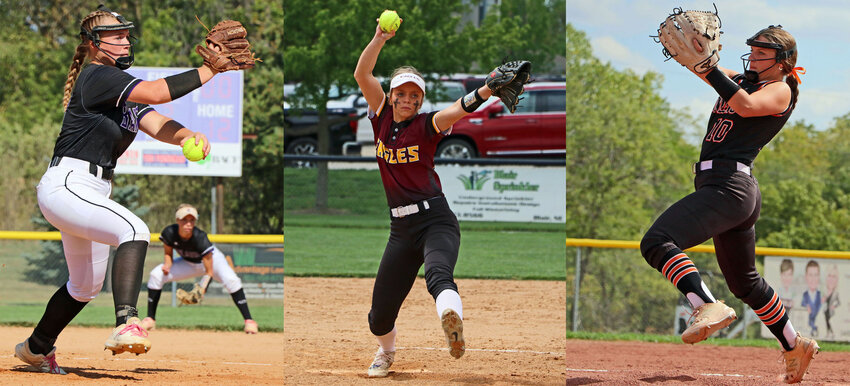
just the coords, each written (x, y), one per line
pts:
(514, 333)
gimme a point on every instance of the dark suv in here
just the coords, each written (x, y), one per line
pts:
(536, 129)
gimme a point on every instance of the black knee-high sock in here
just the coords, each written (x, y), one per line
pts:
(153, 301)
(60, 310)
(678, 268)
(241, 303)
(127, 269)
(771, 312)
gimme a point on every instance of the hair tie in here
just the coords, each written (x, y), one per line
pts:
(796, 70)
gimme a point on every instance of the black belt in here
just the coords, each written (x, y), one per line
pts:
(721, 164)
(94, 169)
(418, 207)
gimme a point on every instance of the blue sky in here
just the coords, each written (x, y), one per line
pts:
(618, 31)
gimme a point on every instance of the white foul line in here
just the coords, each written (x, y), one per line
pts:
(177, 361)
(487, 350)
(626, 371)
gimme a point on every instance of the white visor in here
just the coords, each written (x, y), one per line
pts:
(185, 211)
(407, 77)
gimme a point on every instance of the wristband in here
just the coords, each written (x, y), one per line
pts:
(470, 102)
(183, 83)
(724, 86)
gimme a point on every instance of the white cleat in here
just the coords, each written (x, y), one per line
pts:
(42, 363)
(453, 327)
(129, 337)
(381, 365)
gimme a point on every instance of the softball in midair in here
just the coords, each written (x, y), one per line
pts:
(193, 152)
(389, 21)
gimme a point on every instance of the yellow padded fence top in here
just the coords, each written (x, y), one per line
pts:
(765, 251)
(230, 239)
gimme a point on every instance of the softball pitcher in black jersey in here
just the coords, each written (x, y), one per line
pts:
(423, 230)
(198, 257)
(104, 109)
(750, 111)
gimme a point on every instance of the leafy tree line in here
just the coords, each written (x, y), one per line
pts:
(41, 38)
(324, 41)
(627, 161)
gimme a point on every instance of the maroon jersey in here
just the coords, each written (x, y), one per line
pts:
(732, 137)
(405, 152)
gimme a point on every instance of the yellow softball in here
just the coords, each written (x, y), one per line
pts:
(389, 21)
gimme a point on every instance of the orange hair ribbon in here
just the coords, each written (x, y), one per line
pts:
(794, 72)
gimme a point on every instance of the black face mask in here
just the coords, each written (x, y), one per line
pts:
(124, 62)
(753, 76)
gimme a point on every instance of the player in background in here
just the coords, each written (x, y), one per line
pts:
(104, 109)
(750, 111)
(198, 257)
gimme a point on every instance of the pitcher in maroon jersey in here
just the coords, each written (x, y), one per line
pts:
(423, 229)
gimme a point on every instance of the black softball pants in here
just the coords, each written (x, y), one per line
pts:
(725, 207)
(431, 237)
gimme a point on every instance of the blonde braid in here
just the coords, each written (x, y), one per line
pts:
(74, 71)
(81, 54)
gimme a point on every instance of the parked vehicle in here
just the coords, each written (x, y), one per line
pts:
(536, 129)
(300, 133)
(439, 96)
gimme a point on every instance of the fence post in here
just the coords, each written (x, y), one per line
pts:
(576, 289)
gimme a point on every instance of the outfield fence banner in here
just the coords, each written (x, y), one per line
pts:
(815, 292)
(505, 193)
(214, 110)
(260, 266)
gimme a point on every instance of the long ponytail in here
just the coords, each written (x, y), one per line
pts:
(775, 34)
(81, 55)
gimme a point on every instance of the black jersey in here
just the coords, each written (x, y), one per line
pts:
(99, 124)
(732, 137)
(192, 250)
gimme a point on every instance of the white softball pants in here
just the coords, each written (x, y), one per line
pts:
(182, 269)
(77, 203)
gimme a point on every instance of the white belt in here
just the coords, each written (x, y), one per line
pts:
(706, 165)
(407, 210)
(81, 165)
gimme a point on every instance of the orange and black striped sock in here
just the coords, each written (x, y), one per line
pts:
(681, 271)
(773, 315)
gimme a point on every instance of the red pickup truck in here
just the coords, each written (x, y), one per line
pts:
(536, 129)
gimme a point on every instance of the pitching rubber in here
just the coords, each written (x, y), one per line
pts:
(453, 327)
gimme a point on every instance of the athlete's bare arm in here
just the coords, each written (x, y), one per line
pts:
(208, 264)
(168, 260)
(447, 117)
(771, 99)
(369, 85)
(154, 92)
(167, 130)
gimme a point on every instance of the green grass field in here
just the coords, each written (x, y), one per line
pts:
(203, 317)
(350, 240)
(22, 302)
(654, 338)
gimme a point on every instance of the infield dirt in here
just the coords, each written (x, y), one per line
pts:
(176, 357)
(641, 363)
(514, 331)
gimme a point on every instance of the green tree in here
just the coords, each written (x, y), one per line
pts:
(626, 162)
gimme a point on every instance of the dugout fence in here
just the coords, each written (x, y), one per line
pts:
(615, 290)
